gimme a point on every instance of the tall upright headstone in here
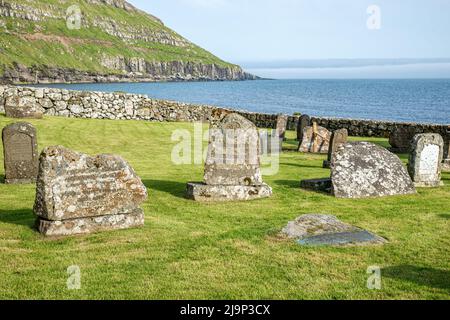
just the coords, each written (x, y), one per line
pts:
(79, 194)
(338, 138)
(425, 160)
(282, 122)
(303, 122)
(20, 153)
(232, 169)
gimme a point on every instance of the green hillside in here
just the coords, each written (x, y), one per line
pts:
(114, 38)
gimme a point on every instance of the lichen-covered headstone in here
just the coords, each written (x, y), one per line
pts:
(320, 229)
(363, 169)
(316, 139)
(22, 107)
(20, 151)
(282, 122)
(338, 138)
(303, 123)
(232, 169)
(400, 139)
(425, 160)
(79, 194)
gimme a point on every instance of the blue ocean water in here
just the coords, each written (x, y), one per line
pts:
(426, 101)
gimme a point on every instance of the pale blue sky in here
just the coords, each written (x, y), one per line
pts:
(264, 30)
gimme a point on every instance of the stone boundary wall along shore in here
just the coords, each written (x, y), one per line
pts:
(101, 105)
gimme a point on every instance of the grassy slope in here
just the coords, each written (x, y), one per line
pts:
(193, 250)
(91, 43)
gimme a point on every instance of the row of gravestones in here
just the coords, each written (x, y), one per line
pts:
(77, 194)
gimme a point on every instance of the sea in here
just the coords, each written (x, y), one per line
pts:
(402, 100)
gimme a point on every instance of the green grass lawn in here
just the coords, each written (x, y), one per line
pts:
(189, 250)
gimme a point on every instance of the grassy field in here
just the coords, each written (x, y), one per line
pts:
(189, 250)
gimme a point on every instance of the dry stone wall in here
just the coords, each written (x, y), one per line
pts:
(100, 105)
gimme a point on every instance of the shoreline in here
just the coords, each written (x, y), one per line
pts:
(128, 106)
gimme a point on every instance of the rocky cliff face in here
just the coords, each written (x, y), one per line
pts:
(115, 42)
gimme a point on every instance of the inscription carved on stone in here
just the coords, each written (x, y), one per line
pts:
(20, 153)
(232, 169)
(88, 193)
(425, 160)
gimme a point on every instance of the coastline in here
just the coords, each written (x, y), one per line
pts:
(127, 106)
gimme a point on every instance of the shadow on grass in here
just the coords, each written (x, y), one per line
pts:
(2, 178)
(445, 215)
(174, 188)
(429, 277)
(301, 165)
(294, 184)
(21, 217)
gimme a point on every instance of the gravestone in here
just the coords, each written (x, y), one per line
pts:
(79, 194)
(232, 168)
(20, 151)
(338, 138)
(363, 169)
(446, 163)
(425, 160)
(303, 122)
(320, 229)
(316, 139)
(23, 107)
(400, 139)
(282, 122)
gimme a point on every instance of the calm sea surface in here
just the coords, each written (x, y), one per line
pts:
(397, 100)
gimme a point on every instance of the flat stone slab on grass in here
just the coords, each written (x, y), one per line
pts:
(364, 170)
(209, 193)
(320, 229)
(321, 185)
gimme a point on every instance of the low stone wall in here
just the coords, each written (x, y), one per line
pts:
(100, 105)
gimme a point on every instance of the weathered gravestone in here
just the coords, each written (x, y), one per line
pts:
(20, 151)
(17, 106)
(400, 139)
(232, 169)
(282, 122)
(338, 138)
(425, 160)
(363, 169)
(320, 229)
(446, 163)
(316, 139)
(79, 194)
(303, 123)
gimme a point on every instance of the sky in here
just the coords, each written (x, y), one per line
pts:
(243, 31)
